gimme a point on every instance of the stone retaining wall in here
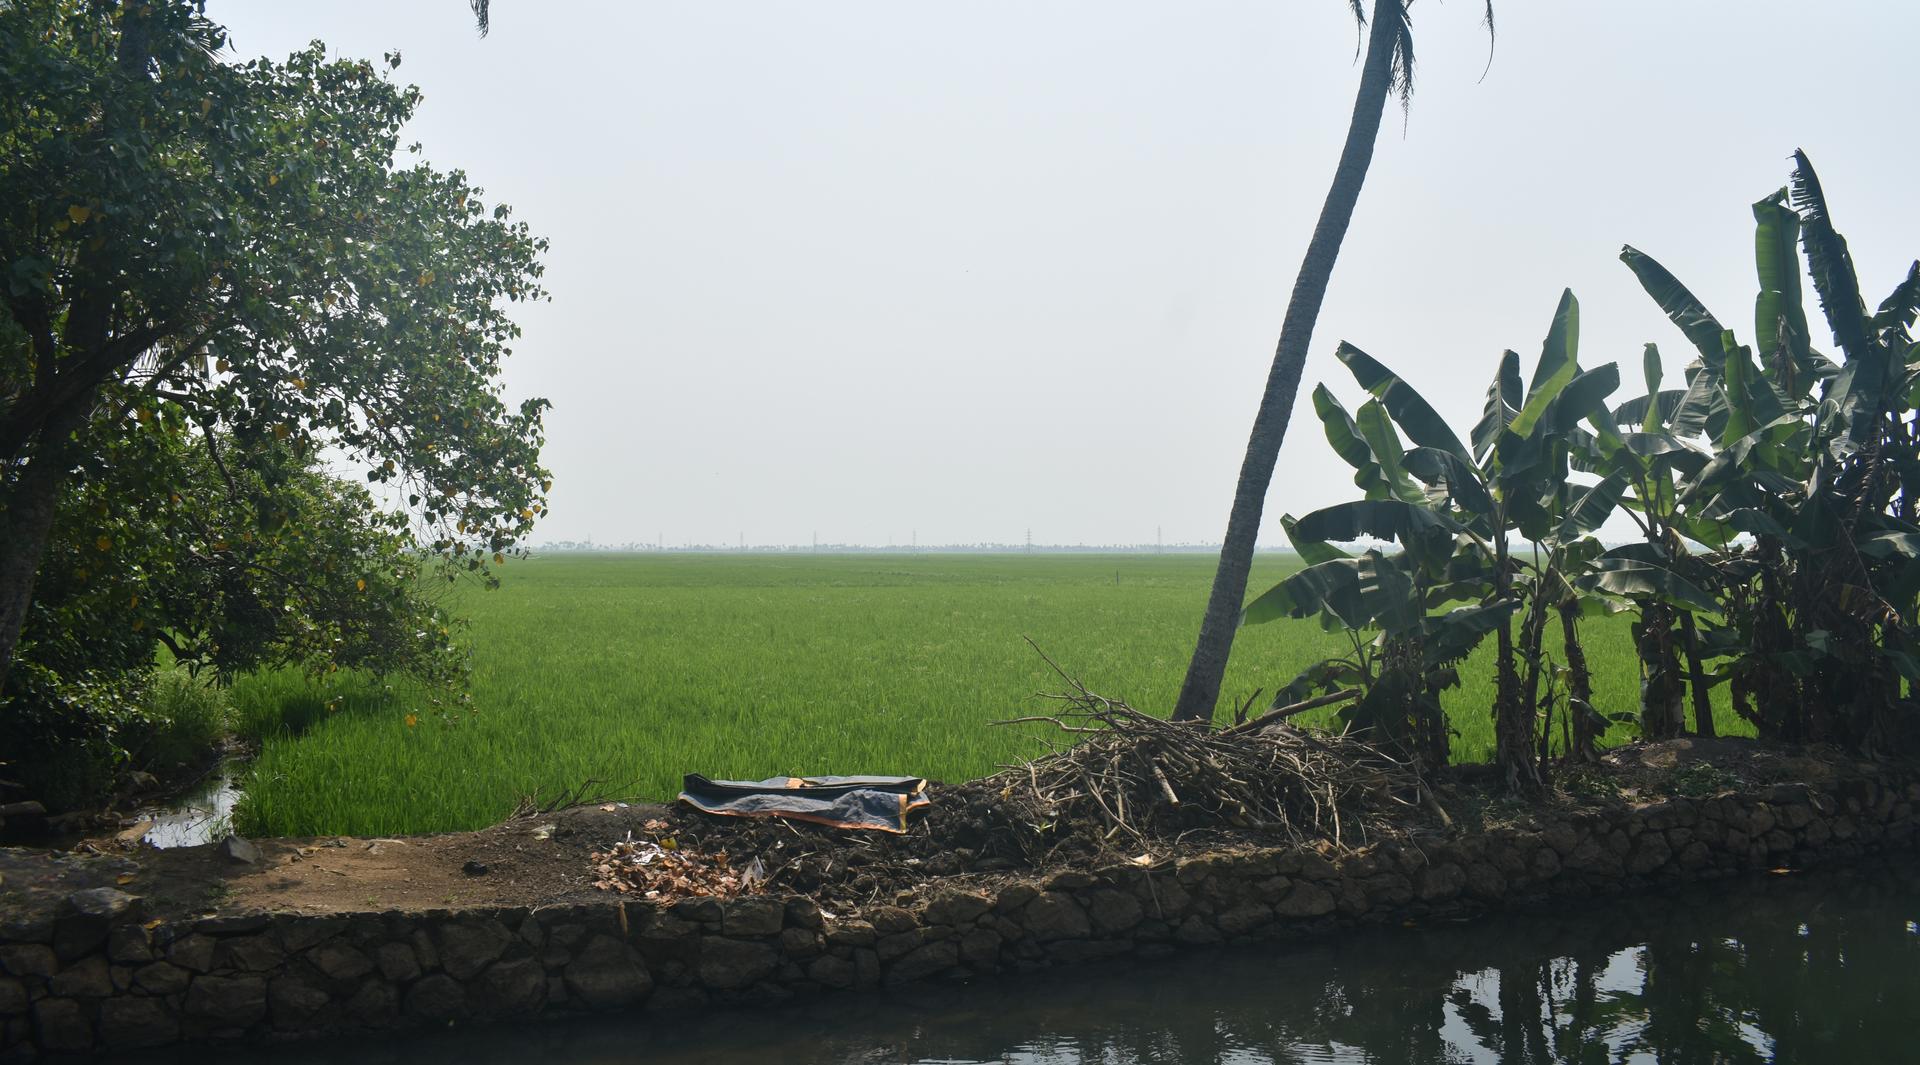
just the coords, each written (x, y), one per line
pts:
(99, 976)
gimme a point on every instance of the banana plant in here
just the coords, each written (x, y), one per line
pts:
(1807, 497)
(1659, 576)
(1457, 513)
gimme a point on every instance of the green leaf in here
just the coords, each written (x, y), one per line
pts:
(1898, 311)
(1312, 552)
(1454, 475)
(1503, 404)
(1382, 519)
(1358, 592)
(1701, 406)
(1376, 428)
(1751, 400)
(1593, 507)
(1651, 369)
(1891, 544)
(1557, 368)
(1829, 262)
(1411, 412)
(1779, 312)
(1640, 578)
(1344, 435)
(1562, 346)
(1641, 411)
(1681, 306)
(1452, 636)
(1582, 398)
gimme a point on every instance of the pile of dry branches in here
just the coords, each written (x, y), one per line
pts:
(1138, 778)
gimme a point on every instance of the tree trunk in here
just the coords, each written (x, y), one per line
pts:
(1435, 748)
(1697, 677)
(1533, 638)
(1662, 716)
(26, 523)
(1584, 745)
(27, 505)
(1777, 693)
(1201, 689)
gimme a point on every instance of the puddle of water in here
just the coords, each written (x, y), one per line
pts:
(203, 815)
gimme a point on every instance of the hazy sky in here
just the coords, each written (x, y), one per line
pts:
(877, 269)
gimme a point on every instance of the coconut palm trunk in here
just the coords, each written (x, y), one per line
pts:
(1388, 64)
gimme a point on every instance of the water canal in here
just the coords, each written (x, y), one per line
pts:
(1813, 968)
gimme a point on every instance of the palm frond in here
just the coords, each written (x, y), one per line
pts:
(1403, 55)
(1488, 23)
(480, 15)
(1827, 259)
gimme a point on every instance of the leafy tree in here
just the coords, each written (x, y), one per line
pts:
(237, 248)
(232, 556)
(1386, 71)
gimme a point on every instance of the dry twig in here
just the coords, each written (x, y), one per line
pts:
(1135, 775)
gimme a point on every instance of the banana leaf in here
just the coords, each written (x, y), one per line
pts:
(1411, 411)
(1582, 398)
(1899, 310)
(1633, 578)
(1779, 311)
(1409, 524)
(1502, 406)
(1591, 509)
(1311, 552)
(1829, 262)
(1344, 435)
(1654, 410)
(1452, 636)
(1558, 366)
(1376, 428)
(1366, 591)
(1454, 475)
(1682, 307)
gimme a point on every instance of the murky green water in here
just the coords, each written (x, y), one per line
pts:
(1816, 968)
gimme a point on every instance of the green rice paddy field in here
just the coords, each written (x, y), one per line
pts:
(636, 669)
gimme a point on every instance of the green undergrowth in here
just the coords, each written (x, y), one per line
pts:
(172, 725)
(634, 670)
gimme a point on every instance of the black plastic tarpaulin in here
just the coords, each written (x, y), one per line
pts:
(877, 803)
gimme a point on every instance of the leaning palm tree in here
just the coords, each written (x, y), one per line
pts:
(1387, 71)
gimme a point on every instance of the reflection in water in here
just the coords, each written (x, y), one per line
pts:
(1812, 968)
(203, 815)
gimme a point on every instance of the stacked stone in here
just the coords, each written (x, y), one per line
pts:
(96, 975)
